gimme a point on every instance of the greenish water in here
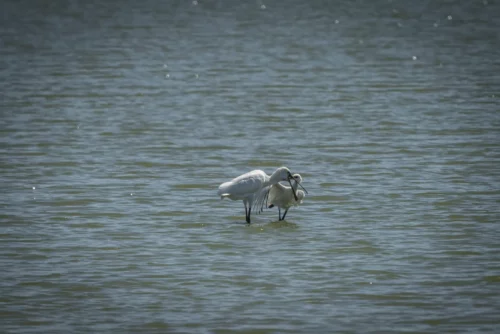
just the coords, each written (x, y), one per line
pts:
(120, 119)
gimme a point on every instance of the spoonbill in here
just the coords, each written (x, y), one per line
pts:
(279, 196)
(248, 187)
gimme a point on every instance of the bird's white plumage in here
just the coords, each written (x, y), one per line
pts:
(282, 196)
(248, 187)
(243, 186)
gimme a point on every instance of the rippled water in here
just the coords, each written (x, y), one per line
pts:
(119, 120)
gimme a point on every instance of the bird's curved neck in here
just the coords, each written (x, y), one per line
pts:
(274, 178)
(267, 180)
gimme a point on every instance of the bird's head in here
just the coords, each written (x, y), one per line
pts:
(297, 178)
(282, 174)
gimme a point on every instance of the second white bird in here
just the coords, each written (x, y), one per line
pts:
(281, 196)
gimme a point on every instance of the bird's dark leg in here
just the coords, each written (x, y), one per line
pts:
(249, 212)
(246, 210)
(279, 213)
(283, 218)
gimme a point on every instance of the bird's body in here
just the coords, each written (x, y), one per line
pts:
(280, 196)
(247, 187)
(243, 186)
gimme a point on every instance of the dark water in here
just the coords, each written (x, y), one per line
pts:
(119, 119)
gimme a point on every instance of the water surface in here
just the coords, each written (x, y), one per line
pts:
(120, 119)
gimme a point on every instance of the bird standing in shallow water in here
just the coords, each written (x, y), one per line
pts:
(279, 195)
(247, 187)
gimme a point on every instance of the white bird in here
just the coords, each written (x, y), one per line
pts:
(248, 187)
(279, 195)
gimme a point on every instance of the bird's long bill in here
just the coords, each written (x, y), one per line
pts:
(302, 187)
(293, 190)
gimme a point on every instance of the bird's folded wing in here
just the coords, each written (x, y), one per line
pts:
(240, 186)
